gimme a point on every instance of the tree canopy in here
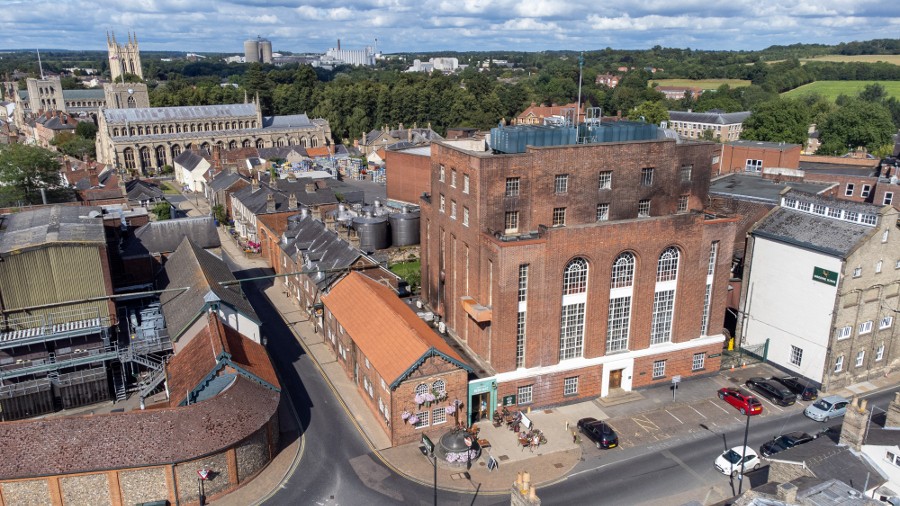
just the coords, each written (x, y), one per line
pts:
(25, 171)
(780, 120)
(858, 123)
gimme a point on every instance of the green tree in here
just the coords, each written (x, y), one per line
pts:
(162, 210)
(25, 171)
(220, 214)
(651, 112)
(859, 123)
(86, 130)
(781, 120)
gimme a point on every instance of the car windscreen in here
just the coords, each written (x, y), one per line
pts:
(822, 404)
(732, 456)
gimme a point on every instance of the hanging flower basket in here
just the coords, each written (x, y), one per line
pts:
(420, 399)
(450, 410)
(413, 419)
(405, 415)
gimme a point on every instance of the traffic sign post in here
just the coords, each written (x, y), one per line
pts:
(675, 381)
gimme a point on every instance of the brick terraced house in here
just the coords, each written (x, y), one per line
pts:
(575, 271)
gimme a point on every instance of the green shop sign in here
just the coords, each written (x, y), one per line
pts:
(825, 276)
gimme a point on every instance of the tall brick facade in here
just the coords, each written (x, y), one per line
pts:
(485, 273)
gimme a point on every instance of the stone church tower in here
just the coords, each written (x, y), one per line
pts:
(124, 58)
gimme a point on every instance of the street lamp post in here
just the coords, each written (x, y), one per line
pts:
(744, 454)
(428, 445)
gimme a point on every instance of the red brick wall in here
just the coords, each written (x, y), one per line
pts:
(408, 176)
(747, 213)
(734, 158)
(840, 191)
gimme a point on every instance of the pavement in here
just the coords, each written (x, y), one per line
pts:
(641, 418)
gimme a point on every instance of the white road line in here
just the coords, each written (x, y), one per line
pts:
(770, 403)
(720, 407)
(673, 416)
(699, 413)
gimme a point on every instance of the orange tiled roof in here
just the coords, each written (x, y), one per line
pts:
(204, 355)
(384, 328)
(317, 152)
(544, 111)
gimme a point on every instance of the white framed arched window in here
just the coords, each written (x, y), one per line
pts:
(623, 270)
(667, 268)
(575, 277)
(574, 302)
(618, 324)
(439, 388)
(421, 389)
(664, 296)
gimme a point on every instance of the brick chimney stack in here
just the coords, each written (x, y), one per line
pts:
(292, 201)
(270, 203)
(94, 177)
(786, 493)
(853, 429)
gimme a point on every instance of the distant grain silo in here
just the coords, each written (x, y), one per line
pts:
(265, 51)
(251, 50)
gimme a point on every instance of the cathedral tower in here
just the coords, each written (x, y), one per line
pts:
(124, 58)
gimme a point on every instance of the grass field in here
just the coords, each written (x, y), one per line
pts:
(706, 84)
(831, 89)
(865, 58)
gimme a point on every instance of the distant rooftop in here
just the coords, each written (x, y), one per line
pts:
(782, 146)
(188, 112)
(713, 117)
(755, 187)
(48, 225)
(516, 138)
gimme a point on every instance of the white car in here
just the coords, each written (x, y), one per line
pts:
(729, 463)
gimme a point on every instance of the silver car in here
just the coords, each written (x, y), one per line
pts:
(827, 408)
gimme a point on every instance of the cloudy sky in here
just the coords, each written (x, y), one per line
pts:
(444, 25)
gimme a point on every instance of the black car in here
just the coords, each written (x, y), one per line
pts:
(798, 386)
(783, 442)
(599, 432)
(775, 392)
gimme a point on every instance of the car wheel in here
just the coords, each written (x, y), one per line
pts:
(734, 473)
(599, 446)
(756, 466)
(743, 411)
(721, 396)
(825, 420)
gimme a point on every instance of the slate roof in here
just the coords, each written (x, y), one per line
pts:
(758, 188)
(137, 438)
(290, 121)
(158, 237)
(280, 152)
(49, 225)
(323, 248)
(829, 461)
(881, 436)
(206, 356)
(91, 94)
(394, 339)
(256, 201)
(419, 135)
(710, 117)
(181, 113)
(138, 190)
(780, 146)
(189, 159)
(810, 492)
(818, 233)
(224, 180)
(201, 272)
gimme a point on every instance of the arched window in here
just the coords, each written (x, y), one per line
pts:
(115, 132)
(160, 156)
(131, 103)
(281, 142)
(421, 389)
(145, 157)
(128, 153)
(667, 269)
(232, 145)
(176, 150)
(314, 142)
(623, 270)
(304, 141)
(204, 147)
(439, 388)
(574, 302)
(260, 144)
(575, 277)
(246, 143)
(241, 124)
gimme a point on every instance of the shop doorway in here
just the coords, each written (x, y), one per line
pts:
(615, 379)
(480, 407)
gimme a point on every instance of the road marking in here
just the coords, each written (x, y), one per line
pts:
(720, 407)
(673, 416)
(667, 454)
(699, 413)
(645, 423)
(769, 403)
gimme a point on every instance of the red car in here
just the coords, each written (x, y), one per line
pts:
(745, 403)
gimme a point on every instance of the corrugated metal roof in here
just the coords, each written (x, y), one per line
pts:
(55, 224)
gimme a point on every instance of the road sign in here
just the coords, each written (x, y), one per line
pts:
(203, 472)
(492, 464)
(676, 379)
(428, 444)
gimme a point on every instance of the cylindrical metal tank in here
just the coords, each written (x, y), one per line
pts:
(251, 51)
(265, 50)
(404, 228)
(373, 232)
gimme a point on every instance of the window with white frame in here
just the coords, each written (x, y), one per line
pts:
(844, 332)
(857, 272)
(439, 388)
(713, 254)
(868, 219)
(512, 187)
(618, 324)
(682, 204)
(686, 173)
(886, 322)
(865, 190)
(453, 178)
(698, 362)
(520, 340)
(663, 310)
(602, 212)
(559, 216)
(667, 268)
(865, 327)
(443, 205)
(647, 177)
(571, 332)
(523, 282)
(438, 416)
(860, 358)
(421, 389)
(792, 203)
(422, 419)
(851, 215)
(848, 192)
(575, 277)
(818, 208)
(804, 206)
(511, 221)
(452, 209)
(465, 183)
(570, 386)
(561, 183)
(623, 270)
(888, 198)
(839, 364)
(884, 235)
(796, 355)
(704, 319)
(879, 353)
(643, 208)
(465, 220)
(834, 212)
(605, 180)
(524, 395)
(659, 369)
(368, 366)
(753, 165)
(441, 173)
